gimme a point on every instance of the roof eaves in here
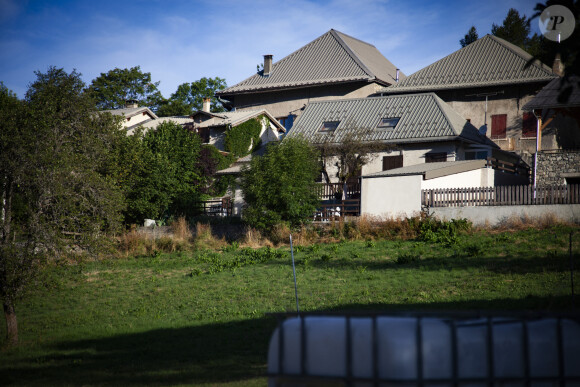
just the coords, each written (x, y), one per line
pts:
(296, 85)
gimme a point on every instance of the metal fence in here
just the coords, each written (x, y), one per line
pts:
(457, 349)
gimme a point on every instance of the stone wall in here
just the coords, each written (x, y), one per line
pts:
(552, 164)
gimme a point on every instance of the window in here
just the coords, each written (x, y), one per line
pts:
(388, 123)
(329, 126)
(476, 155)
(392, 162)
(435, 157)
(204, 134)
(529, 125)
(287, 122)
(498, 126)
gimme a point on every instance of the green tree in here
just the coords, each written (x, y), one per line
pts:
(113, 89)
(280, 186)
(55, 201)
(188, 97)
(470, 37)
(158, 172)
(568, 50)
(516, 29)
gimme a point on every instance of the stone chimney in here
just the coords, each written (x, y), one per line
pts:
(131, 104)
(206, 105)
(558, 66)
(267, 64)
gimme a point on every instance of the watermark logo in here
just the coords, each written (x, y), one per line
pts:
(557, 23)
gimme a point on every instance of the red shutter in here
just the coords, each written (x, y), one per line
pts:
(529, 125)
(498, 125)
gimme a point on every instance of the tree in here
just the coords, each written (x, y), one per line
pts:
(347, 156)
(188, 97)
(55, 201)
(568, 50)
(280, 186)
(516, 29)
(470, 37)
(158, 172)
(115, 88)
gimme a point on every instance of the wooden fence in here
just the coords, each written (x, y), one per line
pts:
(501, 196)
(349, 207)
(223, 207)
(334, 190)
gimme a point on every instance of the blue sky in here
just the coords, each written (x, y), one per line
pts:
(180, 41)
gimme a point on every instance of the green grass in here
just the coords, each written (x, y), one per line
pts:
(203, 318)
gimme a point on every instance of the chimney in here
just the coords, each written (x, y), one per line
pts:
(558, 66)
(397, 76)
(131, 104)
(267, 64)
(206, 105)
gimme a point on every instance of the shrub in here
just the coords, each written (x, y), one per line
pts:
(280, 187)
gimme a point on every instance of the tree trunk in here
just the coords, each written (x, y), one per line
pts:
(11, 324)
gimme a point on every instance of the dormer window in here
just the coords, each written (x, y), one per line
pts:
(329, 126)
(388, 123)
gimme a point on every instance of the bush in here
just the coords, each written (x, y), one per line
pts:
(280, 187)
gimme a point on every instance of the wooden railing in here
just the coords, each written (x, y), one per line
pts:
(508, 167)
(334, 190)
(501, 196)
(223, 207)
(350, 207)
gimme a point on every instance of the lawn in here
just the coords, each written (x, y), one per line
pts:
(204, 317)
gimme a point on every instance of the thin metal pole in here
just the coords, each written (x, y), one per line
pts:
(571, 269)
(294, 271)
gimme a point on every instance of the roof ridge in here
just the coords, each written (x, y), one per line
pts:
(336, 34)
(520, 52)
(293, 53)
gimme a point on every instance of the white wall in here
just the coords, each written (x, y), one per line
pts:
(401, 195)
(483, 177)
(495, 215)
(391, 196)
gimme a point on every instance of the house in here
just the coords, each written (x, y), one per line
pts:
(558, 118)
(333, 66)
(375, 187)
(134, 116)
(413, 129)
(213, 127)
(487, 82)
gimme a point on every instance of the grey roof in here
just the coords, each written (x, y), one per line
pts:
(489, 61)
(130, 112)
(423, 118)
(432, 170)
(181, 120)
(548, 96)
(332, 58)
(235, 118)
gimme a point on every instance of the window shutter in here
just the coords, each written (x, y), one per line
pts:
(498, 125)
(529, 125)
(392, 162)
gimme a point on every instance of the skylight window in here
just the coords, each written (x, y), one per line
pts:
(329, 126)
(388, 123)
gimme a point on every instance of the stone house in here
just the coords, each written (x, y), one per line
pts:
(414, 129)
(333, 66)
(487, 82)
(558, 117)
(212, 127)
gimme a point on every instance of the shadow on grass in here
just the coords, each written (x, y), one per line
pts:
(215, 353)
(212, 354)
(516, 263)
